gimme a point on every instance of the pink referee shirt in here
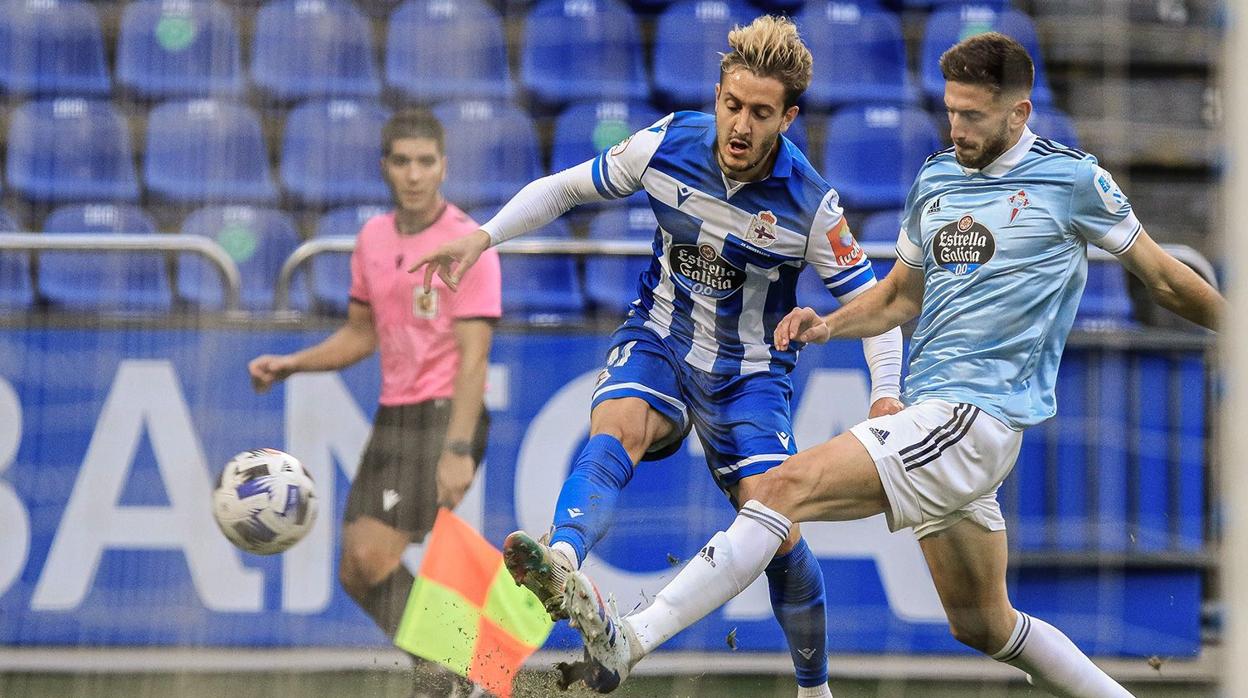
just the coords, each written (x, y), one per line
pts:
(419, 355)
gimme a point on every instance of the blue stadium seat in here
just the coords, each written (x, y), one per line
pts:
(258, 240)
(787, 7)
(615, 278)
(71, 149)
(582, 49)
(313, 48)
(1105, 296)
(812, 293)
(871, 153)
(924, 4)
(330, 274)
(331, 153)
(881, 227)
(207, 151)
(859, 52)
(1055, 125)
(179, 49)
(585, 129)
(15, 288)
(52, 47)
(447, 49)
(99, 280)
(540, 289)
(491, 152)
(949, 25)
(689, 37)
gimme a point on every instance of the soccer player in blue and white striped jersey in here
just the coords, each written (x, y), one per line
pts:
(741, 212)
(992, 260)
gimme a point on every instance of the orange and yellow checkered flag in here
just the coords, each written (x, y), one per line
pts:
(466, 613)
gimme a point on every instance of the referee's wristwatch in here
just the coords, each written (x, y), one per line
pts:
(458, 447)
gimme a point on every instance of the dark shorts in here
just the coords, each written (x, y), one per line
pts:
(397, 479)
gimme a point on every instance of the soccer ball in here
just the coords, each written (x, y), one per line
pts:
(264, 501)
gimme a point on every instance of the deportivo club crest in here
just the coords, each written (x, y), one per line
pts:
(1018, 202)
(963, 246)
(762, 229)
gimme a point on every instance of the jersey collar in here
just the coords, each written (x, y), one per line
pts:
(1007, 160)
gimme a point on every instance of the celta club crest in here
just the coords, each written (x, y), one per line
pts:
(1018, 202)
(762, 229)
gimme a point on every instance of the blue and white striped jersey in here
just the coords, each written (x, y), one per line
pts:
(1004, 257)
(727, 254)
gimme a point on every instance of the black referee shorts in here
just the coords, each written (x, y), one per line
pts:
(397, 479)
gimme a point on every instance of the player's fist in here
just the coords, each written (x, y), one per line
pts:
(885, 406)
(268, 369)
(451, 260)
(802, 325)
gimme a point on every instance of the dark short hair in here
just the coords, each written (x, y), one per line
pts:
(991, 60)
(412, 123)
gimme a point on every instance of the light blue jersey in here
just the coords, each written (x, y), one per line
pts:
(1003, 252)
(727, 254)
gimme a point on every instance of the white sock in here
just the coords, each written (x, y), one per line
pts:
(1054, 663)
(725, 567)
(814, 691)
(568, 552)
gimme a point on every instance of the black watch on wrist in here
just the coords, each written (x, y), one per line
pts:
(458, 447)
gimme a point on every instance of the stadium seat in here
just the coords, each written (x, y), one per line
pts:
(71, 149)
(331, 153)
(15, 289)
(585, 129)
(330, 274)
(881, 227)
(582, 49)
(614, 279)
(689, 37)
(305, 49)
(491, 152)
(872, 153)
(787, 7)
(812, 293)
(258, 240)
(53, 48)
(207, 151)
(948, 25)
(924, 4)
(92, 280)
(540, 289)
(1052, 123)
(1105, 296)
(860, 54)
(447, 49)
(179, 49)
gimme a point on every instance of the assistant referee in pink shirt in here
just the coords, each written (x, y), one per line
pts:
(430, 430)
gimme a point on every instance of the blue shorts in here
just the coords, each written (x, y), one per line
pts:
(744, 422)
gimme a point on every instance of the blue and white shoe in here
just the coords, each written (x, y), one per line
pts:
(611, 647)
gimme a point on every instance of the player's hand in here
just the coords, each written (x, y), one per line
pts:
(802, 325)
(885, 406)
(268, 369)
(451, 260)
(454, 477)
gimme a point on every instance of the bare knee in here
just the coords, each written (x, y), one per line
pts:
(363, 566)
(982, 629)
(632, 422)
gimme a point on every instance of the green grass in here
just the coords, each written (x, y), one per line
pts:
(530, 685)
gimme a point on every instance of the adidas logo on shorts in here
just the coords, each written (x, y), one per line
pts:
(879, 434)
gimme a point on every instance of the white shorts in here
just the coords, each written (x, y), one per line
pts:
(941, 462)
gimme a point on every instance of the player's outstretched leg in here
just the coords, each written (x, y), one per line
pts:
(539, 568)
(611, 647)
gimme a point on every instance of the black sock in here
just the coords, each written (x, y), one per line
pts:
(386, 601)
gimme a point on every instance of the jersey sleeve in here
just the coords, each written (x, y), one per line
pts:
(835, 254)
(1100, 212)
(479, 294)
(617, 170)
(910, 236)
(359, 285)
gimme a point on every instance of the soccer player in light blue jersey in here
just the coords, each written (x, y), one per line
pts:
(992, 260)
(741, 212)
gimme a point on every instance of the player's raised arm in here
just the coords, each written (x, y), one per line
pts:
(890, 303)
(1172, 284)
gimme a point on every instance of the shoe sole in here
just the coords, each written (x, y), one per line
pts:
(530, 567)
(585, 613)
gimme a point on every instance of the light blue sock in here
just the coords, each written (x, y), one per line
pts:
(587, 501)
(797, 598)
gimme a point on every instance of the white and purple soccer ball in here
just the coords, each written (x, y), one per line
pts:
(264, 501)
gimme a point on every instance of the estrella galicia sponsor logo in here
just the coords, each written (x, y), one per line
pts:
(700, 269)
(963, 246)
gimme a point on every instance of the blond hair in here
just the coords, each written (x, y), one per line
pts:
(770, 47)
